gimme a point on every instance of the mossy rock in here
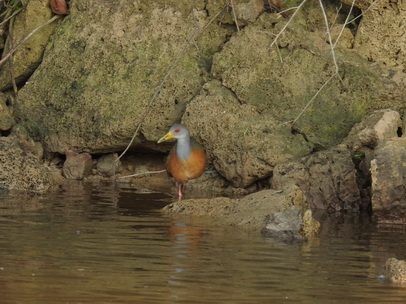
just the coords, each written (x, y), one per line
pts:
(103, 66)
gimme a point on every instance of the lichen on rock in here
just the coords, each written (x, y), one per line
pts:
(243, 144)
(396, 270)
(104, 64)
(21, 170)
(388, 174)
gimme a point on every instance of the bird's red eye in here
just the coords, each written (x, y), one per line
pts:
(177, 130)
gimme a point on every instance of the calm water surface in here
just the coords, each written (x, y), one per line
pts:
(105, 244)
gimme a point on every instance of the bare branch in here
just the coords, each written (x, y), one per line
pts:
(287, 24)
(314, 97)
(345, 24)
(334, 61)
(234, 15)
(288, 9)
(143, 173)
(333, 54)
(11, 69)
(363, 12)
(11, 16)
(337, 14)
(11, 52)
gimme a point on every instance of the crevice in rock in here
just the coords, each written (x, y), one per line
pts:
(5, 133)
(363, 178)
(399, 132)
(295, 131)
(56, 159)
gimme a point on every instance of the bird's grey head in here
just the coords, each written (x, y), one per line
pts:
(179, 131)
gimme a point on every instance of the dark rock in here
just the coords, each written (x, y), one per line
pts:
(327, 179)
(108, 165)
(290, 225)
(77, 165)
(388, 172)
(283, 225)
(59, 7)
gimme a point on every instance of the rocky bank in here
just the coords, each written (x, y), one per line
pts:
(276, 110)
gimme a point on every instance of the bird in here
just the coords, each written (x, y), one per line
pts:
(187, 158)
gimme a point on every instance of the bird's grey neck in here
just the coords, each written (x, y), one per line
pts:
(183, 148)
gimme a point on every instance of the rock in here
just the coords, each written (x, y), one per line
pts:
(363, 4)
(77, 165)
(310, 226)
(327, 179)
(26, 143)
(243, 144)
(380, 125)
(6, 119)
(291, 225)
(59, 7)
(279, 82)
(251, 212)
(388, 173)
(27, 58)
(21, 170)
(346, 40)
(246, 11)
(283, 225)
(103, 65)
(380, 37)
(362, 140)
(107, 165)
(396, 270)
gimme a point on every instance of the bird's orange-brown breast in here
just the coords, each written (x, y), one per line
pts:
(184, 170)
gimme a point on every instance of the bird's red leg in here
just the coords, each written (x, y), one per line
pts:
(180, 192)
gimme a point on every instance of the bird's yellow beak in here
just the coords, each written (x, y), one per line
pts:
(166, 137)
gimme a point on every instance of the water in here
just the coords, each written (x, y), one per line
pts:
(100, 244)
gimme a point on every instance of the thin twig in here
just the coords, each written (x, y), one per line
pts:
(287, 9)
(336, 17)
(11, 16)
(347, 21)
(279, 53)
(334, 61)
(286, 24)
(333, 54)
(363, 12)
(11, 52)
(313, 98)
(13, 79)
(234, 15)
(10, 61)
(345, 24)
(143, 173)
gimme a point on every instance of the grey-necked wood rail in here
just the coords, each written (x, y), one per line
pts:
(187, 159)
